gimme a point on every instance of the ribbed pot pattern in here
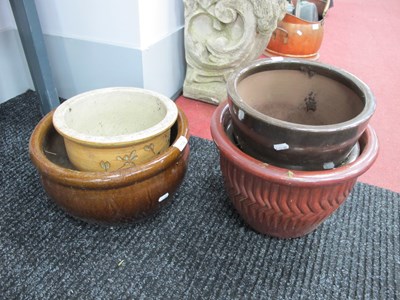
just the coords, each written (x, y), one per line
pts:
(278, 210)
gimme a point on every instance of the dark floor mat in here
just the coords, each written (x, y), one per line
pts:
(196, 248)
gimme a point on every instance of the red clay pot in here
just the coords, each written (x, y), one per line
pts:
(280, 202)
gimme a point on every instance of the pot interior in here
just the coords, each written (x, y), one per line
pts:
(114, 114)
(300, 96)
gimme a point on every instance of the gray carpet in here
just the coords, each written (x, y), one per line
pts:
(197, 248)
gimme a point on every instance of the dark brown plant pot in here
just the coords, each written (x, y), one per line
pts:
(124, 196)
(280, 202)
(298, 114)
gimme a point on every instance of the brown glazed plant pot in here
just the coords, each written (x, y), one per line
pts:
(298, 114)
(124, 196)
(280, 202)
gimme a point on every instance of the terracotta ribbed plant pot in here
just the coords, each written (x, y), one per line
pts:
(280, 202)
(124, 196)
(298, 114)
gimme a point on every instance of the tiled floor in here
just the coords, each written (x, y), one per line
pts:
(360, 37)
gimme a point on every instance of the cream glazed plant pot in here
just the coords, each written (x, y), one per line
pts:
(114, 128)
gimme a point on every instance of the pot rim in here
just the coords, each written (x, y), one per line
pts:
(281, 63)
(119, 140)
(99, 180)
(368, 142)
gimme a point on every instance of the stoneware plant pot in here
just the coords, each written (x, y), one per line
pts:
(280, 202)
(113, 128)
(322, 6)
(123, 196)
(298, 114)
(295, 37)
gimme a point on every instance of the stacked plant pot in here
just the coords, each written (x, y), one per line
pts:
(293, 139)
(112, 156)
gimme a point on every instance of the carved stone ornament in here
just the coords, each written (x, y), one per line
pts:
(220, 37)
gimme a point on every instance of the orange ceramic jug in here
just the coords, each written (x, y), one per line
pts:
(296, 37)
